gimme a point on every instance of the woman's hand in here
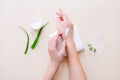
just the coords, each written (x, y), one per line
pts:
(65, 26)
(56, 55)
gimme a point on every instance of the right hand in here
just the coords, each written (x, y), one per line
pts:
(63, 24)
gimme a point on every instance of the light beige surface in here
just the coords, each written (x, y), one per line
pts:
(91, 16)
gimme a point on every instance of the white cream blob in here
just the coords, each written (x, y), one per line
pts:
(66, 31)
(36, 24)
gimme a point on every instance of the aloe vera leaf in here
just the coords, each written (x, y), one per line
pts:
(94, 50)
(37, 37)
(90, 48)
(89, 45)
(27, 44)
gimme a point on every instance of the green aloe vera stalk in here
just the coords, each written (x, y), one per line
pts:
(90, 48)
(37, 37)
(94, 50)
(27, 44)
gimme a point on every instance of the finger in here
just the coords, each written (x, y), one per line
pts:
(55, 41)
(59, 25)
(64, 15)
(50, 45)
(52, 40)
(62, 26)
(63, 48)
(59, 14)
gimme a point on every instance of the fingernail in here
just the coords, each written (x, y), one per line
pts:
(60, 33)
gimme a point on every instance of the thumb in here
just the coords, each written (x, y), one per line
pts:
(63, 47)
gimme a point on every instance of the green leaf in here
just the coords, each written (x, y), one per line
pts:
(37, 37)
(90, 48)
(94, 50)
(27, 44)
(89, 45)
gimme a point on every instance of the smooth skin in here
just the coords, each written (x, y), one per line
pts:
(76, 71)
(56, 57)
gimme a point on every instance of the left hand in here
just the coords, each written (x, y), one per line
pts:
(56, 55)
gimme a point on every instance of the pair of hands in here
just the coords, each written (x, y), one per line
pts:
(63, 23)
(57, 54)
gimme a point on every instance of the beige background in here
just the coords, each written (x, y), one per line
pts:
(91, 16)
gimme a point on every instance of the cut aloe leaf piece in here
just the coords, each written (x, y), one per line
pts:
(90, 48)
(37, 37)
(94, 50)
(27, 44)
